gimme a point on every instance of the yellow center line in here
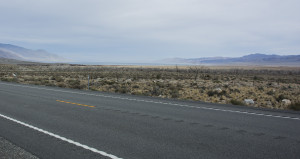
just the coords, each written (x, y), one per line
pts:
(76, 103)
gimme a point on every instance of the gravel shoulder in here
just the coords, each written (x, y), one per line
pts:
(10, 151)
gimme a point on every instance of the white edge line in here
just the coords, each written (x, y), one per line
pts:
(62, 138)
(188, 106)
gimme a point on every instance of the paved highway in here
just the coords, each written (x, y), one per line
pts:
(51, 122)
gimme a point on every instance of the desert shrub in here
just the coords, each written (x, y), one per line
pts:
(59, 79)
(146, 93)
(223, 93)
(29, 79)
(236, 102)
(174, 93)
(202, 88)
(50, 84)
(260, 88)
(156, 91)
(174, 90)
(201, 91)
(44, 82)
(295, 106)
(108, 82)
(122, 89)
(179, 86)
(93, 88)
(137, 93)
(74, 84)
(206, 77)
(212, 93)
(217, 81)
(270, 93)
(175, 82)
(135, 86)
(270, 84)
(61, 85)
(8, 79)
(192, 84)
(251, 92)
(280, 97)
(235, 90)
(158, 76)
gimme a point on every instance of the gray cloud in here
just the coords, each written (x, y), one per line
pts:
(138, 29)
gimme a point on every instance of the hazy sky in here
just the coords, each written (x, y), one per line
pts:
(146, 30)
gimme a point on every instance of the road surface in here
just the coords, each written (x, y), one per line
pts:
(51, 122)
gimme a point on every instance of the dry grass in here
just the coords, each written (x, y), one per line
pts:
(267, 86)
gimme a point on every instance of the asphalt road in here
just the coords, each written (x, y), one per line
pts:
(51, 122)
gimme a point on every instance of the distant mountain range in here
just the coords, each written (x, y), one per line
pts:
(13, 61)
(252, 59)
(19, 53)
(8, 51)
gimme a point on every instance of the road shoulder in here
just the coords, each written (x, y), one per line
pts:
(10, 151)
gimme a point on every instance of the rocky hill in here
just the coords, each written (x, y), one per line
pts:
(23, 54)
(252, 59)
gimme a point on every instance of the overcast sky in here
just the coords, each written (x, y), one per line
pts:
(148, 30)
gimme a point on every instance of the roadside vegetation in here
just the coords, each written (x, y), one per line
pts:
(270, 87)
